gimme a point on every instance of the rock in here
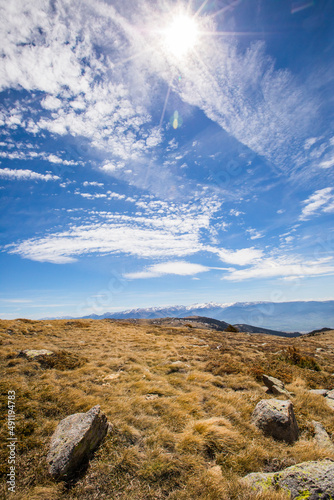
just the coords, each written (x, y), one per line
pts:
(278, 391)
(320, 392)
(33, 354)
(275, 386)
(74, 439)
(216, 472)
(262, 481)
(272, 381)
(321, 436)
(330, 394)
(330, 403)
(308, 480)
(178, 366)
(151, 396)
(112, 376)
(276, 418)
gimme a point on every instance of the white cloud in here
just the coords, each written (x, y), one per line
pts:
(320, 200)
(235, 212)
(24, 154)
(91, 196)
(254, 234)
(239, 257)
(93, 183)
(140, 238)
(158, 230)
(327, 163)
(110, 168)
(26, 175)
(282, 267)
(51, 102)
(180, 268)
(42, 51)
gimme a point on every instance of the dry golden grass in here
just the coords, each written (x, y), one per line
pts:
(180, 401)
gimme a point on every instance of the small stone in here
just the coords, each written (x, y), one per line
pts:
(75, 438)
(330, 394)
(33, 354)
(320, 392)
(216, 472)
(275, 386)
(112, 376)
(272, 381)
(278, 391)
(151, 396)
(276, 418)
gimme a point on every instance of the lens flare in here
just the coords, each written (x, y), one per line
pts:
(181, 35)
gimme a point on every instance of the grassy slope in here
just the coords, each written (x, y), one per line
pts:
(172, 423)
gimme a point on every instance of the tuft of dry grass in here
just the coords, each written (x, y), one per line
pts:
(179, 399)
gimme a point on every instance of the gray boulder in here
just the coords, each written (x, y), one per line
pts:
(73, 441)
(321, 436)
(311, 480)
(277, 419)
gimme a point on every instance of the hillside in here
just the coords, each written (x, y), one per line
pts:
(179, 400)
(205, 323)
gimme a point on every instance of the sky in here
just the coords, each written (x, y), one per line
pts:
(165, 153)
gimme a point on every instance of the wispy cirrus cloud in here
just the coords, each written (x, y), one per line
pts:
(321, 200)
(43, 51)
(21, 154)
(287, 267)
(254, 234)
(157, 231)
(180, 268)
(26, 175)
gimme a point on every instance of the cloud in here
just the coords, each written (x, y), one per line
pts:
(283, 267)
(26, 175)
(327, 163)
(241, 257)
(33, 155)
(159, 230)
(93, 183)
(321, 200)
(263, 108)
(235, 212)
(180, 268)
(91, 196)
(127, 235)
(254, 234)
(53, 50)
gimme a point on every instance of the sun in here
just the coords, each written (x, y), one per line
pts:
(181, 35)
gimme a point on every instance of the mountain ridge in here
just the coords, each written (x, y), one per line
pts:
(292, 316)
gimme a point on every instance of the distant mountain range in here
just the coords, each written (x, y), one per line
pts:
(299, 316)
(204, 323)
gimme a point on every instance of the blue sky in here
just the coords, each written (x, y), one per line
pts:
(160, 153)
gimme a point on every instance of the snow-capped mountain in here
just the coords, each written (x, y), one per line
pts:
(302, 316)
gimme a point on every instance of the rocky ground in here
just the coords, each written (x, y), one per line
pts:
(182, 407)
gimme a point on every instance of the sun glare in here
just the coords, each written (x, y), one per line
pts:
(181, 35)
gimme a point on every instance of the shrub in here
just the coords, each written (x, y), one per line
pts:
(231, 328)
(61, 360)
(293, 356)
